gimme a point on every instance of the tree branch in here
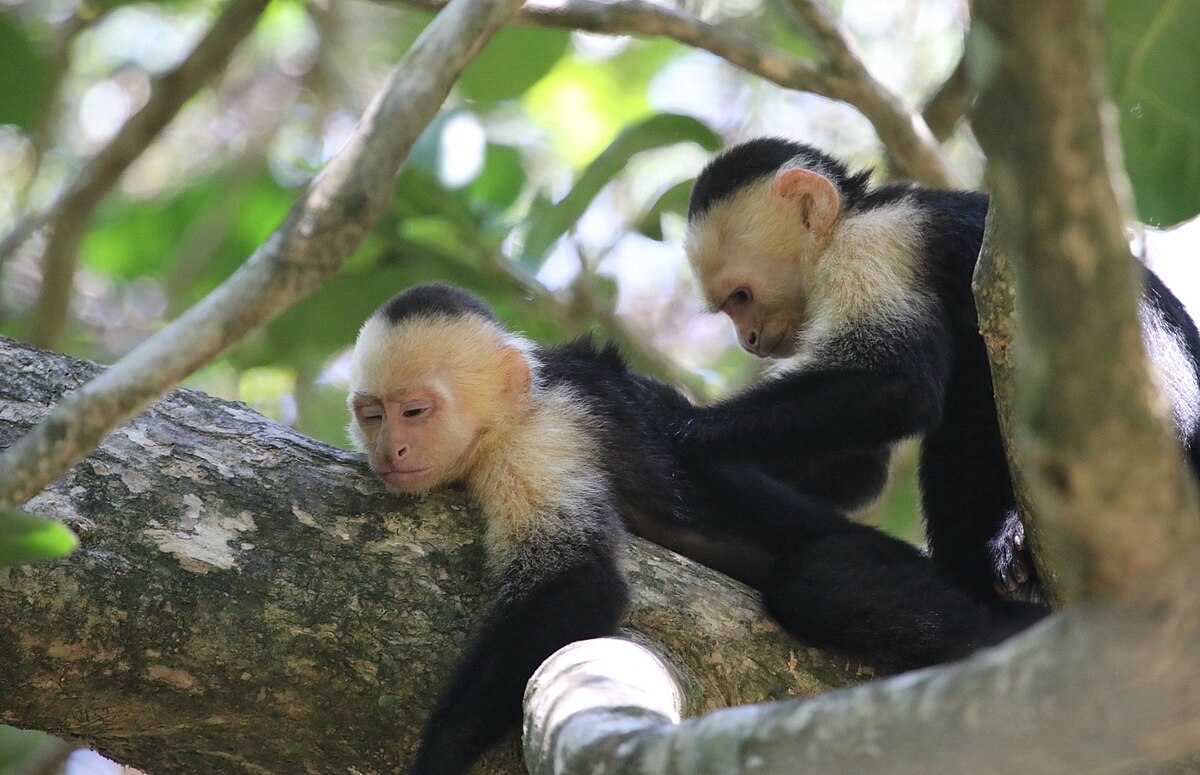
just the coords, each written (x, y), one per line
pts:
(324, 228)
(247, 599)
(948, 105)
(903, 131)
(992, 286)
(899, 127)
(71, 214)
(1098, 441)
(1114, 685)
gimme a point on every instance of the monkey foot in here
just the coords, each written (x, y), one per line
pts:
(1011, 561)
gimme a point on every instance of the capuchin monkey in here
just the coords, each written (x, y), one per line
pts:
(864, 297)
(562, 447)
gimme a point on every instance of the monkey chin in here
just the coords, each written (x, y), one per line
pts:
(784, 347)
(416, 482)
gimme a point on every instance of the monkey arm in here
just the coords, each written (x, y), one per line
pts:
(873, 401)
(482, 699)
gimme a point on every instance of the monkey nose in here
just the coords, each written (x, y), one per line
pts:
(752, 342)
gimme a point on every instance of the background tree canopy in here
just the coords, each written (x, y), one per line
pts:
(148, 149)
(553, 183)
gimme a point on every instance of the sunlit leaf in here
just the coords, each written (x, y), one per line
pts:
(548, 223)
(25, 538)
(1153, 50)
(514, 60)
(24, 75)
(584, 106)
(673, 200)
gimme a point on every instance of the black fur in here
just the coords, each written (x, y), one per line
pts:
(929, 377)
(482, 699)
(434, 299)
(754, 160)
(828, 581)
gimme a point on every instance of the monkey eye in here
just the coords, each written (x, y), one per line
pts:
(416, 410)
(371, 414)
(738, 297)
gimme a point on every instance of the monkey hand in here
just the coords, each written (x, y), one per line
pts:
(1011, 561)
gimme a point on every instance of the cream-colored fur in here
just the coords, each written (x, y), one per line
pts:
(539, 480)
(388, 358)
(1172, 369)
(534, 469)
(865, 271)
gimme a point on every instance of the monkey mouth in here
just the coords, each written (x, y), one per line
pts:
(784, 346)
(405, 480)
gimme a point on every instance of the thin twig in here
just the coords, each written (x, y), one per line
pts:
(899, 127)
(910, 142)
(325, 226)
(69, 217)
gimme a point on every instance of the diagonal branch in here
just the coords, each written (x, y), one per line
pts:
(900, 128)
(903, 131)
(70, 215)
(948, 105)
(325, 226)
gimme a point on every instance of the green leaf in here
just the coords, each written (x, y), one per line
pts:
(674, 200)
(1151, 44)
(503, 176)
(514, 60)
(549, 222)
(25, 539)
(25, 75)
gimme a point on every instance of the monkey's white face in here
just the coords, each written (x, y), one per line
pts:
(423, 394)
(754, 259)
(416, 439)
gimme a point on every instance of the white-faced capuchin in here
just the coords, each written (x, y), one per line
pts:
(561, 446)
(864, 296)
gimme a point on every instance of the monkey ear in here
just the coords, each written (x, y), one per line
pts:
(817, 197)
(518, 379)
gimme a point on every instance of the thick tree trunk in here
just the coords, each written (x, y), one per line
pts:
(247, 599)
(994, 298)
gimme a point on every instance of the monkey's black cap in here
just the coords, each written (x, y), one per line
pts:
(433, 299)
(753, 160)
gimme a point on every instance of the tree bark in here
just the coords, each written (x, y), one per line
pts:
(247, 599)
(1117, 505)
(1096, 689)
(994, 299)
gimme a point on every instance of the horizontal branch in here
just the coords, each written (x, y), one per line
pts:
(1097, 690)
(900, 128)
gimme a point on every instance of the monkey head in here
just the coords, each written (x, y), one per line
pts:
(432, 374)
(758, 225)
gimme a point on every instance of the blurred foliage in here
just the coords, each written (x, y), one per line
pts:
(22, 89)
(28, 752)
(1153, 50)
(25, 539)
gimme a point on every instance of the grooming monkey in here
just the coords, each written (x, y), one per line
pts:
(562, 447)
(864, 297)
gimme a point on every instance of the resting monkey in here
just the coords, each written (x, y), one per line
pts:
(563, 446)
(864, 296)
